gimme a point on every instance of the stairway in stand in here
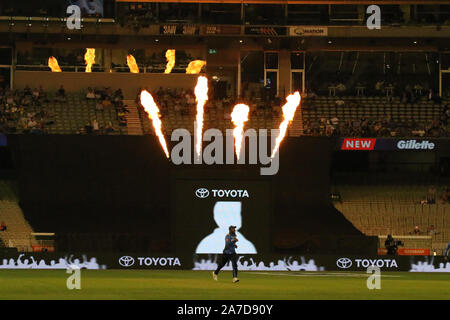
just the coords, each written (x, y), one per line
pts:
(134, 125)
(296, 127)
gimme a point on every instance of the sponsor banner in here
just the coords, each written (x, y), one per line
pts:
(269, 262)
(147, 261)
(203, 193)
(266, 31)
(170, 29)
(389, 144)
(94, 261)
(221, 30)
(308, 31)
(407, 252)
(3, 141)
(327, 263)
(358, 144)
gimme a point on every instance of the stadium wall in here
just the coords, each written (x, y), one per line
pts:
(120, 194)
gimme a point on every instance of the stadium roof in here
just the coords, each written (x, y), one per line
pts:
(378, 2)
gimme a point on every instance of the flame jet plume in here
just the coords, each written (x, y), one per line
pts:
(170, 56)
(195, 66)
(293, 101)
(201, 96)
(53, 64)
(153, 112)
(89, 59)
(239, 116)
(131, 62)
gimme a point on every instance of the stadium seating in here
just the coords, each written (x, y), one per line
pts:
(394, 209)
(18, 233)
(374, 108)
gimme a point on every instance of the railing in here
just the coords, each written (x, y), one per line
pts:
(142, 69)
(51, 19)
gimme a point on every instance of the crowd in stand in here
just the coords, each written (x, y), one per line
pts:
(378, 127)
(105, 98)
(17, 116)
(16, 112)
(433, 197)
(183, 103)
(22, 111)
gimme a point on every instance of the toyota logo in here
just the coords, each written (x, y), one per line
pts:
(126, 261)
(344, 263)
(202, 193)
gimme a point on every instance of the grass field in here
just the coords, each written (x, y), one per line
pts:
(165, 285)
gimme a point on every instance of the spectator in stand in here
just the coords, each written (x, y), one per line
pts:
(107, 102)
(95, 126)
(416, 231)
(90, 95)
(35, 96)
(445, 195)
(447, 251)
(432, 231)
(61, 94)
(109, 128)
(433, 97)
(3, 226)
(446, 115)
(88, 128)
(340, 103)
(43, 94)
(431, 196)
(99, 106)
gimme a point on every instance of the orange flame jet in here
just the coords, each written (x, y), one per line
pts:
(293, 101)
(131, 62)
(53, 64)
(89, 59)
(239, 116)
(195, 66)
(170, 56)
(153, 112)
(201, 96)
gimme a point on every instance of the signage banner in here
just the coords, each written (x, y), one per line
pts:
(308, 31)
(170, 29)
(407, 252)
(258, 262)
(391, 144)
(221, 30)
(266, 31)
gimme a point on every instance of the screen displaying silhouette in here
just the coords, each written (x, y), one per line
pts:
(226, 213)
(204, 210)
(88, 7)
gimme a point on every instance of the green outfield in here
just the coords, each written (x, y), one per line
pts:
(146, 284)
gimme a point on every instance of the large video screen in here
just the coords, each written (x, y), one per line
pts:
(88, 7)
(204, 210)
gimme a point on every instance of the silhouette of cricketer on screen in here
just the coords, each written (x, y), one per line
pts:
(226, 213)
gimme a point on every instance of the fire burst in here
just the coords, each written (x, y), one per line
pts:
(53, 64)
(153, 112)
(239, 116)
(195, 66)
(201, 95)
(89, 59)
(131, 62)
(293, 101)
(170, 56)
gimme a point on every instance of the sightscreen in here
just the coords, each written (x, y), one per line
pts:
(204, 210)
